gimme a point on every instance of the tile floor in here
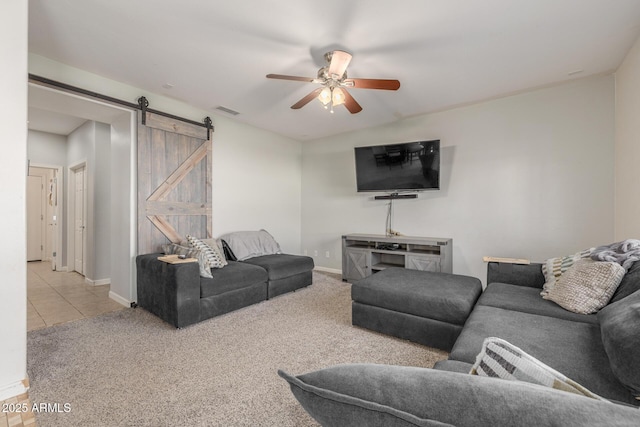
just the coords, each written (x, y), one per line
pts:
(57, 297)
(16, 412)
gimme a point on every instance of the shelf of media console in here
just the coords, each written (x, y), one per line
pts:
(365, 254)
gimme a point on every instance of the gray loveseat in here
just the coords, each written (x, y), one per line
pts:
(180, 296)
(600, 351)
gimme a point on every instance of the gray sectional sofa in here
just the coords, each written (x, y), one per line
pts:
(180, 296)
(599, 351)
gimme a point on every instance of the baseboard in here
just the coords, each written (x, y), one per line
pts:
(327, 269)
(98, 282)
(14, 389)
(117, 298)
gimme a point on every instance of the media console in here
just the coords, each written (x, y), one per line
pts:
(365, 254)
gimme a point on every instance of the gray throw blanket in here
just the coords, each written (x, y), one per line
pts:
(624, 253)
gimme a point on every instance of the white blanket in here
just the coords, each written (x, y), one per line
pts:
(624, 253)
(250, 244)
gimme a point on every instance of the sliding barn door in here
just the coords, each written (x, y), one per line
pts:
(174, 182)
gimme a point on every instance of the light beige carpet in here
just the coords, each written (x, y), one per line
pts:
(129, 368)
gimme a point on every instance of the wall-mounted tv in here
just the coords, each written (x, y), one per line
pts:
(409, 166)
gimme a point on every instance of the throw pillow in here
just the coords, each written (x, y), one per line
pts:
(619, 326)
(211, 253)
(587, 286)
(500, 359)
(554, 267)
(228, 253)
(203, 262)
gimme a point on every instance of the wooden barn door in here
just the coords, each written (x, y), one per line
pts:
(174, 182)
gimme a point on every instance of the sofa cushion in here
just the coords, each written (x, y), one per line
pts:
(453, 366)
(529, 275)
(528, 300)
(630, 283)
(554, 267)
(280, 266)
(235, 275)
(440, 296)
(573, 348)
(620, 328)
(389, 396)
(501, 359)
(249, 244)
(587, 286)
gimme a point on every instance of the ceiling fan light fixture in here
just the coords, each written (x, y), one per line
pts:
(334, 83)
(325, 96)
(338, 97)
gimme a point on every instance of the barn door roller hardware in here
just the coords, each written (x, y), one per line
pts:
(143, 103)
(209, 124)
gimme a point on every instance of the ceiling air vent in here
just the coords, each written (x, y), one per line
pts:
(227, 110)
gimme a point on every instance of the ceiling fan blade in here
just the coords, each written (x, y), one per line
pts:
(350, 103)
(304, 101)
(339, 62)
(372, 84)
(295, 78)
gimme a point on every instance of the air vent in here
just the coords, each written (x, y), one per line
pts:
(227, 110)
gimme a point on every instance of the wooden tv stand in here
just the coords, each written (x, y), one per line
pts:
(365, 254)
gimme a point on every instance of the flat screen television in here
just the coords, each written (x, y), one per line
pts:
(409, 166)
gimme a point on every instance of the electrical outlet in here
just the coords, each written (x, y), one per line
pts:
(305, 252)
(327, 254)
(315, 253)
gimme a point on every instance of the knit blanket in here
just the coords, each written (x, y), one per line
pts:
(624, 253)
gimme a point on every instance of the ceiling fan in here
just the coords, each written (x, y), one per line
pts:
(334, 83)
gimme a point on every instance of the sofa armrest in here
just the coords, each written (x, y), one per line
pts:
(529, 275)
(170, 291)
(384, 395)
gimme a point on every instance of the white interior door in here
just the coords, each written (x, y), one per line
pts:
(80, 193)
(35, 217)
(52, 218)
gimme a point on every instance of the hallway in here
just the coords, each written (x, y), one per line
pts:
(57, 297)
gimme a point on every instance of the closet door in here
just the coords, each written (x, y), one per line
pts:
(174, 182)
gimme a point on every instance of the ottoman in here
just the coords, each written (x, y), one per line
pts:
(421, 306)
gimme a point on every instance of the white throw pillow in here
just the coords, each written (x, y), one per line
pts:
(587, 286)
(211, 253)
(501, 359)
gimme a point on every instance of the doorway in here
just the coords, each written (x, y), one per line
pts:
(36, 236)
(117, 246)
(44, 189)
(78, 217)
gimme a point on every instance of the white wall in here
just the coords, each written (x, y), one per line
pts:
(257, 183)
(102, 204)
(47, 148)
(123, 239)
(13, 175)
(90, 143)
(256, 173)
(627, 194)
(527, 176)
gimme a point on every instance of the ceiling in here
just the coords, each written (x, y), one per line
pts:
(61, 113)
(445, 53)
